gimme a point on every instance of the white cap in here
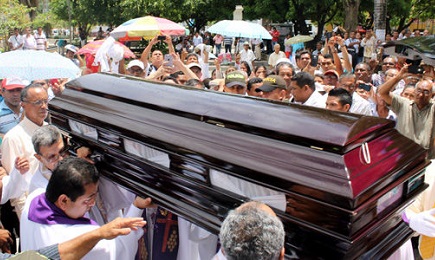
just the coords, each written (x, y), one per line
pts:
(136, 63)
(193, 64)
(71, 47)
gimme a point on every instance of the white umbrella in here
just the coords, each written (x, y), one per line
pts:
(31, 65)
(298, 39)
(234, 28)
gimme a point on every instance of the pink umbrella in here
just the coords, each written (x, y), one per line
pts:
(92, 48)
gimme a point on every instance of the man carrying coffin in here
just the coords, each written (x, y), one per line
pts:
(58, 214)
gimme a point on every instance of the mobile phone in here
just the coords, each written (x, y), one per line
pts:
(415, 69)
(161, 37)
(169, 59)
(364, 86)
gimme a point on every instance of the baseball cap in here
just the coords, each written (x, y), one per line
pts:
(331, 72)
(235, 78)
(246, 43)
(193, 64)
(136, 63)
(13, 83)
(71, 47)
(272, 82)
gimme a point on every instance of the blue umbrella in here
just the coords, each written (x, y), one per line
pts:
(31, 65)
(234, 28)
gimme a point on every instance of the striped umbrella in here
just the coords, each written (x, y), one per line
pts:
(92, 48)
(146, 27)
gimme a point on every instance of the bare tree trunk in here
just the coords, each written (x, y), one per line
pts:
(30, 3)
(351, 9)
(380, 16)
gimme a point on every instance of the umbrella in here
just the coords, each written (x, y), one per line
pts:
(235, 28)
(31, 65)
(92, 48)
(146, 27)
(298, 39)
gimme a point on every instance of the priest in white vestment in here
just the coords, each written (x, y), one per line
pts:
(57, 215)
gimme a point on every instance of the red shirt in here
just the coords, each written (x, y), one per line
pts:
(275, 35)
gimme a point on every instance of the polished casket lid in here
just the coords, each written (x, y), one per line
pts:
(344, 178)
(341, 154)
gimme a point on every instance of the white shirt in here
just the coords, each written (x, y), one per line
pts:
(274, 57)
(197, 40)
(18, 142)
(316, 100)
(16, 40)
(360, 105)
(40, 178)
(35, 235)
(29, 42)
(248, 56)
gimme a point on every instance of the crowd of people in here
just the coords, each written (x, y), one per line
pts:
(50, 199)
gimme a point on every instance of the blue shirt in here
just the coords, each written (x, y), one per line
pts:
(7, 118)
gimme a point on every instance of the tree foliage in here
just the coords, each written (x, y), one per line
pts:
(12, 15)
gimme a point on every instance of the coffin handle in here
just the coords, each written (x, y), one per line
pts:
(365, 152)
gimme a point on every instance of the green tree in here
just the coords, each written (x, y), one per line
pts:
(12, 15)
(84, 13)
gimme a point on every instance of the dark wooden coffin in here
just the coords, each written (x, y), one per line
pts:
(345, 178)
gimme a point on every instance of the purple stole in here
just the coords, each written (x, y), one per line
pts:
(165, 237)
(44, 212)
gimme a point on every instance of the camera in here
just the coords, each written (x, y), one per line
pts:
(161, 37)
(415, 69)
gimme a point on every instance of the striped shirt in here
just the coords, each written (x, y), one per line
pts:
(41, 40)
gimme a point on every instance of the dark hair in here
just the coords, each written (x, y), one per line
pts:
(253, 81)
(193, 83)
(304, 78)
(247, 66)
(170, 78)
(70, 178)
(304, 51)
(343, 96)
(206, 83)
(176, 74)
(328, 56)
(258, 67)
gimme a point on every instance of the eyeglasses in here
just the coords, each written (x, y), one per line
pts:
(325, 63)
(422, 91)
(37, 102)
(55, 157)
(330, 77)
